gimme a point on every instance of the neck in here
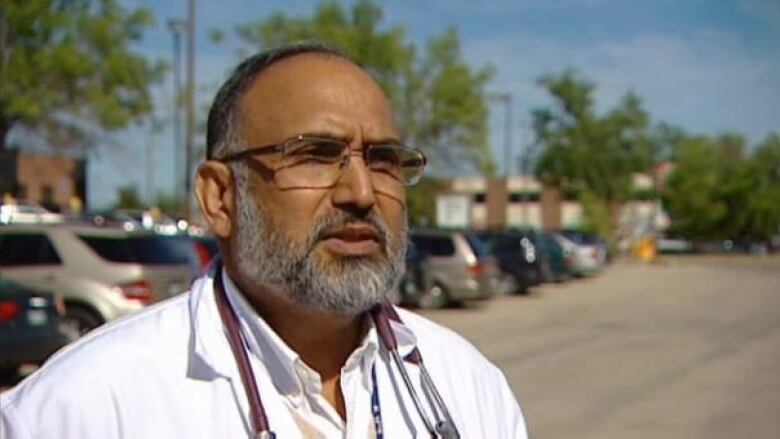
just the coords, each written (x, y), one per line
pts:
(323, 340)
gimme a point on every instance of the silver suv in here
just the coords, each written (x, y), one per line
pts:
(101, 273)
(454, 266)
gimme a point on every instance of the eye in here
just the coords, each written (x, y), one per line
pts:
(385, 157)
(315, 150)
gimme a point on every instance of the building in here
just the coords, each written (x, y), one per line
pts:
(523, 202)
(51, 181)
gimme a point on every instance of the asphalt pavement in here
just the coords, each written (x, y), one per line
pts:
(686, 347)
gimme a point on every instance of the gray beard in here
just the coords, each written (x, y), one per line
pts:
(266, 256)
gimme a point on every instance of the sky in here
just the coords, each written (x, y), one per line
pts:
(709, 66)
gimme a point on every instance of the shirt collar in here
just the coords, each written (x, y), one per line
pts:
(211, 355)
(274, 354)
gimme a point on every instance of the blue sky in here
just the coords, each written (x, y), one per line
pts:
(707, 65)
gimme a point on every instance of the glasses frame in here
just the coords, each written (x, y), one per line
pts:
(284, 144)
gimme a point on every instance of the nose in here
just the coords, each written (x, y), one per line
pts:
(355, 189)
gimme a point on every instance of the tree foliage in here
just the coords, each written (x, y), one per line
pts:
(593, 155)
(66, 66)
(439, 100)
(128, 198)
(717, 190)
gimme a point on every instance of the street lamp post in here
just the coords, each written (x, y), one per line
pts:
(506, 99)
(190, 135)
(177, 26)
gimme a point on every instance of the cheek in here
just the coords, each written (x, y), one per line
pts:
(294, 214)
(393, 213)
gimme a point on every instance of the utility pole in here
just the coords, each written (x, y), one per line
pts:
(177, 26)
(503, 197)
(506, 99)
(525, 147)
(190, 135)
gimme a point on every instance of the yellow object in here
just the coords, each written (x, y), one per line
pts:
(645, 249)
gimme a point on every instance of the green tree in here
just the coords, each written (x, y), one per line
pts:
(66, 67)
(170, 204)
(421, 203)
(440, 101)
(758, 188)
(691, 194)
(592, 155)
(719, 191)
(128, 198)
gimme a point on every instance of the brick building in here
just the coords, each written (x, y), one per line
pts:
(44, 179)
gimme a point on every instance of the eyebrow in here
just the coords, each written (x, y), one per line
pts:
(327, 135)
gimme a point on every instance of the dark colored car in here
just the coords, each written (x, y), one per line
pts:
(197, 250)
(556, 261)
(30, 326)
(409, 286)
(518, 257)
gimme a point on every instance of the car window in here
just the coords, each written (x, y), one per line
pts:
(435, 245)
(20, 249)
(150, 250)
(477, 246)
(580, 237)
(509, 245)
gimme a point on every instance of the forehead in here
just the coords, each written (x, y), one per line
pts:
(314, 93)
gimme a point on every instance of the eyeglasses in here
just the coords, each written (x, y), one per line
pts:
(309, 161)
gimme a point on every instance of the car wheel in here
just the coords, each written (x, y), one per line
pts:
(434, 298)
(547, 272)
(79, 320)
(521, 288)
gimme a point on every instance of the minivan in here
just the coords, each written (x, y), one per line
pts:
(456, 266)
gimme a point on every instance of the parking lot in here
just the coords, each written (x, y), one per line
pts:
(687, 347)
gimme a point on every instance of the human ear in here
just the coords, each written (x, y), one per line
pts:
(215, 192)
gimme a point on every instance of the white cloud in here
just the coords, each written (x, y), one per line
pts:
(707, 83)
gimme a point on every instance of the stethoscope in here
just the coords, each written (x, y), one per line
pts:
(441, 427)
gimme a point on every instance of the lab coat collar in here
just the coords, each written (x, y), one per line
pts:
(210, 354)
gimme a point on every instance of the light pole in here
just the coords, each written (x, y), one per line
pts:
(177, 26)
(506, 99)
(190, 135)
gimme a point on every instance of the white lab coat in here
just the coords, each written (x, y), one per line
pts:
(168, 372)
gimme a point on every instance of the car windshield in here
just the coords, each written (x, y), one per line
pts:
(151, 250)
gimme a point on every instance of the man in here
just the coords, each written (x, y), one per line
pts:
(304, 186)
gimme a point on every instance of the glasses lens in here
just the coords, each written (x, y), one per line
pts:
(400, 163)
(310, 162)
(313, 152)
(319, 162)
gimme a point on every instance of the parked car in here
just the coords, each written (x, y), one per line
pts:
(108, 219)
(408, 290)
(30, 326)
(456, 266)
(102, 273)
(518, 257)
(588, 252)
(670, 244)
(27, 214)
(199, 250)
(556, 265)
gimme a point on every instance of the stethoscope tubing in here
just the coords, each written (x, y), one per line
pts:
(381, 315)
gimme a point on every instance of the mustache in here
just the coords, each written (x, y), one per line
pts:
(327, 224)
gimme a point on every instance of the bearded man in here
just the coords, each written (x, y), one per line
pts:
(289, 335)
